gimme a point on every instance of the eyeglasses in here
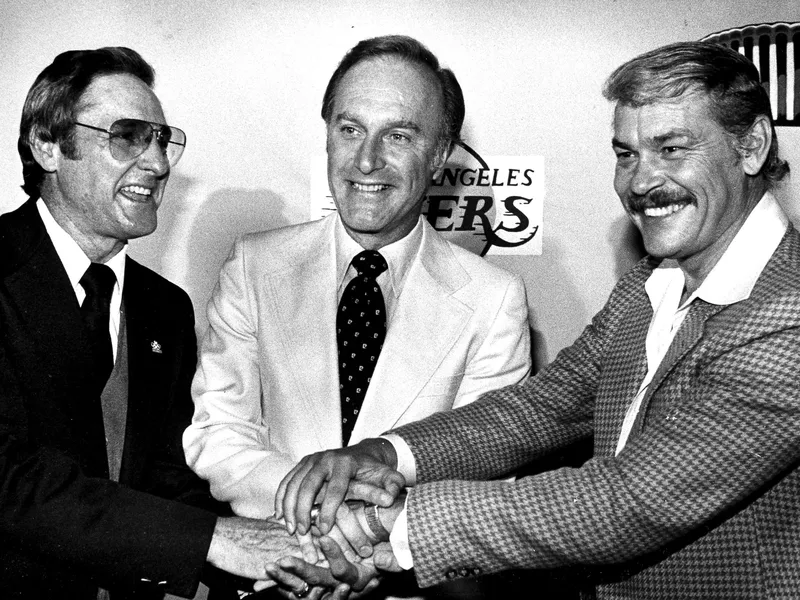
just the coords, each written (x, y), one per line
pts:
(131, 137)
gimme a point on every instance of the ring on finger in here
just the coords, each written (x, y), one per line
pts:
(304, 592)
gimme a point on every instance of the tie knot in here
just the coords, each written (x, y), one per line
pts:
(98, 281)
(369, 263)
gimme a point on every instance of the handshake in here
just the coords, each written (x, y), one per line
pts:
(329, 536)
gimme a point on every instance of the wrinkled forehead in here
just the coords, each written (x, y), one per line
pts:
(391, 80)
(691, 110)
(119, 96)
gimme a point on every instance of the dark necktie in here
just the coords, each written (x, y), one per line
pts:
(360, 331)
(98, 283)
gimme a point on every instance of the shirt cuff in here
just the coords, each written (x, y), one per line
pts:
(398, 539)
(406, 464)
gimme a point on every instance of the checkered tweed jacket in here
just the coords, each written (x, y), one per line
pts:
(703, 502)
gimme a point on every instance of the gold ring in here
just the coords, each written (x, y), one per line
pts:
(304, 592)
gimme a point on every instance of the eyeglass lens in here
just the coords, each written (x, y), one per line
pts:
(132, 137)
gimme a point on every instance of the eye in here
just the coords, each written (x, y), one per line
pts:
(673, 151)
(624, 155)
(399, 138)
(127, 136)
(348, 131)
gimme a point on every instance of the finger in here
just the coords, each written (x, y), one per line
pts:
(384, 559)
(291, 490)
(264, 584)
(307, 547)
(342, 592)
(347, 522)
(281, 493)
(317, 593)
(334, 496)
(339, 566)
(314, 575)
(349, 553)
(382, 493)
(285, 579)
(305, 495)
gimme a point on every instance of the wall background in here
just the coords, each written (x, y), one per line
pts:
(245, 80)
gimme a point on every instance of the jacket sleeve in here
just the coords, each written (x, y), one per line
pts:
(114, 534)
(227, 442)
(504, 356)
(731, 431)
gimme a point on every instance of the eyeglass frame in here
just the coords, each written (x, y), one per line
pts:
(155, 128)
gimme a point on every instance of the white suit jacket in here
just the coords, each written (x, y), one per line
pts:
(266, 390)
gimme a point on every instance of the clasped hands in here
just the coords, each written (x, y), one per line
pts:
(318, 545)
(343, 502)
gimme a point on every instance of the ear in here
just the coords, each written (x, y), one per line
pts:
(47, 154)
(756, 145)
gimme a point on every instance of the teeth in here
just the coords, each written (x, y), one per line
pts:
(142, 191)
(662, 211)
(363, 187)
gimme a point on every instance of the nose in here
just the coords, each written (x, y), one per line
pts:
(646, 175)
(154, 159)
(369, 157)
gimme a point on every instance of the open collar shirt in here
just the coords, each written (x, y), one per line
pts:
(731, 280)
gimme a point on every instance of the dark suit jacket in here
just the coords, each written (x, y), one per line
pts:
(703, 502)
(65, 528)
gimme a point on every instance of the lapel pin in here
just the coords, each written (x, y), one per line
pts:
(155, 347)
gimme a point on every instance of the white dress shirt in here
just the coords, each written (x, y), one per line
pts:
(76, 262)
(731, 280)
(398, 255)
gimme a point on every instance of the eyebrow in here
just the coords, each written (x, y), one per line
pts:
(659, 139)
(399, 124)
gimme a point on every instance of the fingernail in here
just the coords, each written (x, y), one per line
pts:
(365, 550)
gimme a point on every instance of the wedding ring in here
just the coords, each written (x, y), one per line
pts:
(304, 592)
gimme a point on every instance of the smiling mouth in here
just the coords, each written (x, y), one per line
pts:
(136, 192)
(662, 211)
(369, 187)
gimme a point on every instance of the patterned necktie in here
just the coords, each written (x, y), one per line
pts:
(98, 282)
(360, 331)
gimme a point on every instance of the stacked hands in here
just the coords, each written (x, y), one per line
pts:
(327, 539)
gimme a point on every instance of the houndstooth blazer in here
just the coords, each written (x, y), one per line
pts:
(703, 502)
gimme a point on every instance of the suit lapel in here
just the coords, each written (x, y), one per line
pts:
(43, 313)
(690, 333)
(303, 300)
(428, 321)
(147, 377)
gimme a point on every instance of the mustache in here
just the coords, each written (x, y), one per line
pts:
(659, 198)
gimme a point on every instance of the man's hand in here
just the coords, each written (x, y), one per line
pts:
(343, 579)
(245, 547)
(365, 471)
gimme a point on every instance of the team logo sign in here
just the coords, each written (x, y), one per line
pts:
(490, 206)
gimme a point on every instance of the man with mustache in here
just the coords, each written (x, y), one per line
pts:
(96, 358)
(687, 380)
(274, 380)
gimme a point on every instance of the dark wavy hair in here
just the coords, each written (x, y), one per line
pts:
(51, 104)
(412, 51)
(729, 79)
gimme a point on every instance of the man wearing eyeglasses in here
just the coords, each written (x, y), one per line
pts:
(97, 355)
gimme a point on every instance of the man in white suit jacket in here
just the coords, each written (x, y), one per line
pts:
(267, 387)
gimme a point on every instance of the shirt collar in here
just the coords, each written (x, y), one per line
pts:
(398, 255)
(733, 277)
(72, 257)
